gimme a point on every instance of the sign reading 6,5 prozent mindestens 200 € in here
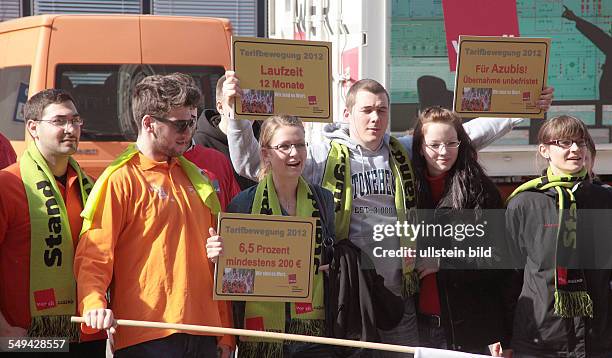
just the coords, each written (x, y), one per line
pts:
(283, 76)
(266, 258)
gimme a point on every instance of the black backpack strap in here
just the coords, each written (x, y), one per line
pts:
(329, 236)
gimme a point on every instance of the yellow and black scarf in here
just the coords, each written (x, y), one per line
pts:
(196, 176)
(273, 314)
(337, 179)
(571, 296)
(52, 285)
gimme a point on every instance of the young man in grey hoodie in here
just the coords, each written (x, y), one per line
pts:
(372, 180)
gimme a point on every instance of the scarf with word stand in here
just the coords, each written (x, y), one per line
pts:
(571, 296)
(52, 286)
(337, 179)
(304, 318)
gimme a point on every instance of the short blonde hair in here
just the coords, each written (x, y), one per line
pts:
(268, 129)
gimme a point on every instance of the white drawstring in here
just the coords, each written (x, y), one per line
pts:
(362, 162)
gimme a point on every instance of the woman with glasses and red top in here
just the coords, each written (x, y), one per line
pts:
(558, 229)
(283, 191)
(459, 307)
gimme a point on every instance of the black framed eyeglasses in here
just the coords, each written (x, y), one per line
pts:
(286, 147)
(180, 125)
(567, 143)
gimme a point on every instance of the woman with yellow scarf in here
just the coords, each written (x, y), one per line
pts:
(564, 308)
(282, 191)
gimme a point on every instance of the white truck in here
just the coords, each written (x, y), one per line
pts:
(367, 39)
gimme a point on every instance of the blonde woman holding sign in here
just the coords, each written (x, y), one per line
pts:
(283, 191)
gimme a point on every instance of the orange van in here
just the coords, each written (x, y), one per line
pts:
(99, 59)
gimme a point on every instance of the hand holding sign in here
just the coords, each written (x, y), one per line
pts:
(231, 91)
(214, 245)
(265, 258)
(546, 98)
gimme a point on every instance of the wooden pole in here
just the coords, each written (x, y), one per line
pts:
(260, 334)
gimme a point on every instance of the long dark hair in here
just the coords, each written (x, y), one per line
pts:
(467, 186)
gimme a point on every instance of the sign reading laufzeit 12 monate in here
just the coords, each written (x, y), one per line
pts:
(283, 77)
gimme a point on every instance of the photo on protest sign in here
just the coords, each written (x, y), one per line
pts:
(500, 76)
(236, 280)
(257, 101)
(476, 99)
(283, 77)
(266, 258)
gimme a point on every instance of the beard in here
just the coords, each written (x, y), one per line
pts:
(162, 145)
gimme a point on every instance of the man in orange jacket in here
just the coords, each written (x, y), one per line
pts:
(144, 230)
(41, 198)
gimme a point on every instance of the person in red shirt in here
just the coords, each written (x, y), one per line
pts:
(461, 308)
(7, 153)
(40, 203)
(219, 170)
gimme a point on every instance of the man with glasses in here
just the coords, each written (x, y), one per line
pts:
(41, 198)
(144, 230)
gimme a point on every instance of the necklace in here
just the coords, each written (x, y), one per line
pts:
(288, 205)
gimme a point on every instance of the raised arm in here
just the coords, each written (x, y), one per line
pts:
(484, 131)
(243, 147)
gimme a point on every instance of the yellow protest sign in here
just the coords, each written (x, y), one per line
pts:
(283, 76)
(265, 258)
(500, 76)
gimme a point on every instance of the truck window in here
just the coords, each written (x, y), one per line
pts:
(13, 95)
(103, 94)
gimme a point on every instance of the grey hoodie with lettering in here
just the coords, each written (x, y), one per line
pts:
(372, 181)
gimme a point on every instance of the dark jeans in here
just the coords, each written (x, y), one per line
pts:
(430, 335)
(175, 345)
(404, 334)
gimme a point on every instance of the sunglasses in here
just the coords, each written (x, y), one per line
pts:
(180, 125)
